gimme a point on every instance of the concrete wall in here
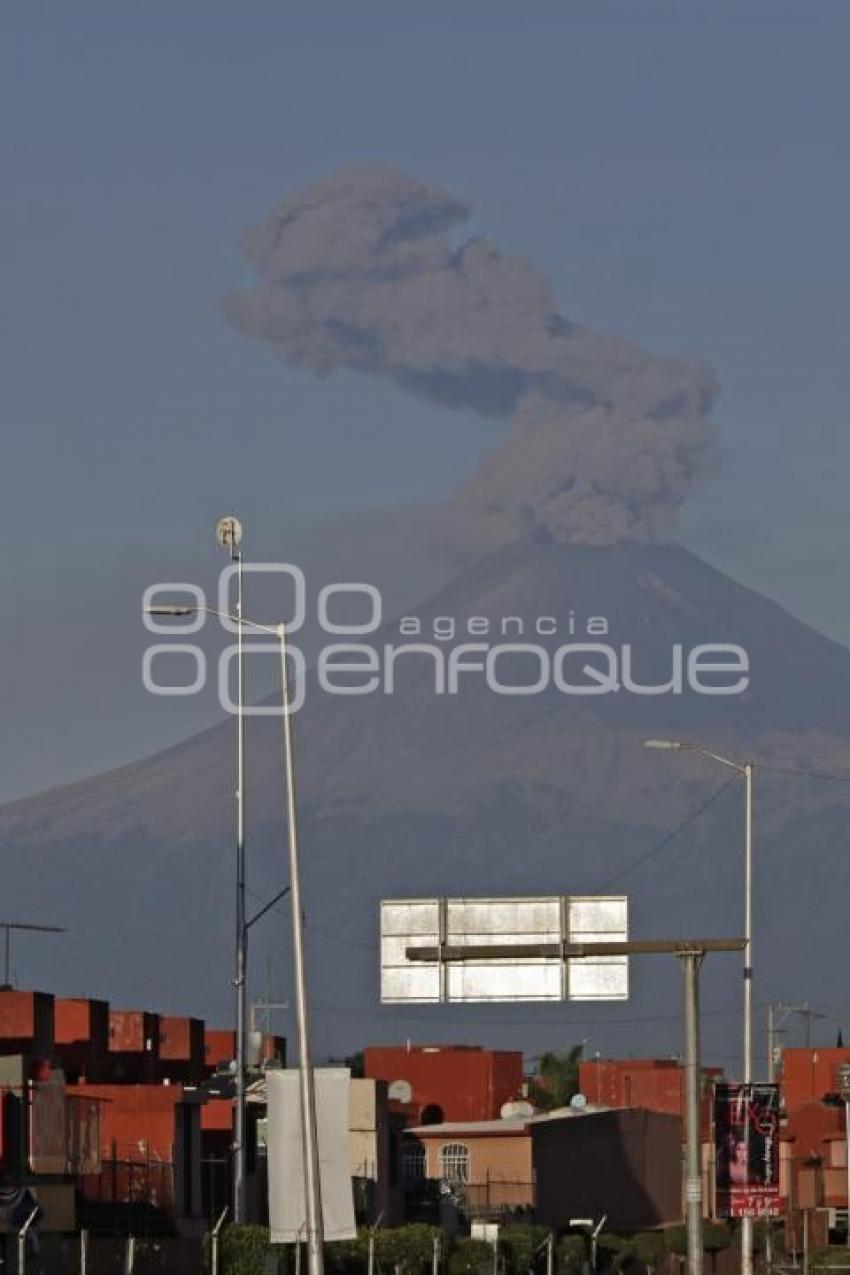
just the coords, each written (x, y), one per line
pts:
(369, 1140)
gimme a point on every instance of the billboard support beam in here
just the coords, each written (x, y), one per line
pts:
(446, 952)
(691, 962)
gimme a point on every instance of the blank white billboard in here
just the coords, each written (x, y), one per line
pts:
(551, 919)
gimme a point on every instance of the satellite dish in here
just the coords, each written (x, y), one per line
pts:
(400, 1091)
(517, 1111)
(228, 532)
(578, 1101)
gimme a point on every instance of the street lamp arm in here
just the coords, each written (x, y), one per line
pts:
(684, 745)
(196, 609)
(720, 758)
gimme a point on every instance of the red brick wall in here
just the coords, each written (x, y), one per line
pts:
(808, 1074)
(464, 1083)
(135, 1118)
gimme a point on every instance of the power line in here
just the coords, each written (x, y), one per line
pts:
(806, 774)
(670, 836)
(484, 1023)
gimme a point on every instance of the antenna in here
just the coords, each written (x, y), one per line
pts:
(8, 926)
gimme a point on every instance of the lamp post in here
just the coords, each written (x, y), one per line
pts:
(844, 1089)
(229, 535)
(312, 1181)
(745, 770)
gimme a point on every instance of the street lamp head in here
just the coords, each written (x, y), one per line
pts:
(228, 533)
(668, 744)
(170, 612)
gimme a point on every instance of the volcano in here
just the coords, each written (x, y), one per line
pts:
(418, 793)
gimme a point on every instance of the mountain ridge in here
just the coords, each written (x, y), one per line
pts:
(415, 793)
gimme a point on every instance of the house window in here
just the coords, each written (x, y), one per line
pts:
(413, 1161)
(454, 1162)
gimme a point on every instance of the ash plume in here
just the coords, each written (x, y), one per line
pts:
(363, 271)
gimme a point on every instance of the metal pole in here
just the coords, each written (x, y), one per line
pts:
(241, 929)
(771, 1045)
(691, 962)
(84, 1251)
(847, 1146)
(371, 1264)
(22, 1241)
(7, 979)
(550, 1253)
(312, 1182)
(435, 1256)
(747, 1222)
(130, 1256)
(594, 1239)
(805, 1242)
(214, 1241)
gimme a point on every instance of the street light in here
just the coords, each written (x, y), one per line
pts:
(312, 1182)
(229, 535)
(745, 770)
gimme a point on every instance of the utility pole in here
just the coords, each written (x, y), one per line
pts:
(747, 1222)
(745, 770)
(774, 1028)
(691, 962)
(229, 535)
(312, 1179)
(313, 1187)
(844, 1089)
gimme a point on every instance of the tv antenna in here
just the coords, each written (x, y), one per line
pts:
(8, 927)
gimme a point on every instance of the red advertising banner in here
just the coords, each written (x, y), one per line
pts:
(746, 1150)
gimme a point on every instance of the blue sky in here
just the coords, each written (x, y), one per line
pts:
(679, 171)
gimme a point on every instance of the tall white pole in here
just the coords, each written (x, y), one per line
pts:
(847, 1154)
(691, 962)
(747, 1222)
(312, 1182)
(240, 980)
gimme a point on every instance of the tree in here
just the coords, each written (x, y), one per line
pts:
(557, 1078)
(571, 1254)
(521, 1245)
(649, 1249)
(471, 1257)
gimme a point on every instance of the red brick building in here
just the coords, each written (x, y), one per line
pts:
(119, 1097)
(653, 1084)
(815, 1143)
(436, 1083)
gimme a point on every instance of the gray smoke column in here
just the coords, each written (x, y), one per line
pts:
(361, 271)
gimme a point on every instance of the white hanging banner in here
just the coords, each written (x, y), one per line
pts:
(287, 1206)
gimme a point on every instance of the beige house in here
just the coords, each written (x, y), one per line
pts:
(489, 1159)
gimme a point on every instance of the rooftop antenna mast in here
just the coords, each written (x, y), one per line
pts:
(8, 927)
